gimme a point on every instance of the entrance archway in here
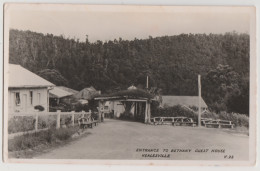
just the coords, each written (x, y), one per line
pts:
(135, 102)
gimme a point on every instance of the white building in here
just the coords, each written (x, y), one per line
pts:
(26, 90)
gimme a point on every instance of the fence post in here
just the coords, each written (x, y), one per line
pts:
(58, 119)
(72, 118)
(82, 114)
(36, 121)
(89, 111)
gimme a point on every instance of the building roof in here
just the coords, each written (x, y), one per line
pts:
(126, 94)
(87, 93)
(188, 101)
(68, 89)
(58, 92)
(20, 77)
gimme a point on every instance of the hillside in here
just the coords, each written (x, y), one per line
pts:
(172, 63)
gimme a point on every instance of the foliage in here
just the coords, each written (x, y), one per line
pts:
(240, 120)
(174, 111)
(30, 141)
(53, 76)
(27, 123)
(224, 90)
(127, 115)
(20, 124)
(39, 107)
(133, 93)
(171, 62)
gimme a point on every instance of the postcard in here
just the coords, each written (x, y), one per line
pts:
(129, 84)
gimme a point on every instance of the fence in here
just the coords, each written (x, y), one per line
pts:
(36, 116)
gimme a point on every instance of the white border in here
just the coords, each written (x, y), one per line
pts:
(151, 2)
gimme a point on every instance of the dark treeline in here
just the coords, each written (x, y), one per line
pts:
(171, 62)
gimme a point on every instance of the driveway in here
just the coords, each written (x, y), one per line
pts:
(116, 139)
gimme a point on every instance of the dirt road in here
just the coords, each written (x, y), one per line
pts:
(115, 139)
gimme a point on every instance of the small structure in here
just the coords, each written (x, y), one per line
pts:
(61, 94)
(133, 100)
(191, 102)
(26, 90)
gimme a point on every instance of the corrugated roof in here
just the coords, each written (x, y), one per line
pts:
(57, 92)
(188, 101)
(21, 77)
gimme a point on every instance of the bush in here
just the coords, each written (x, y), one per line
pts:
(20, 124)
(63, 133)
(240, 120)
(39, 107)
(51, 136)
(48, 121)
(174, 111)
(127, 116)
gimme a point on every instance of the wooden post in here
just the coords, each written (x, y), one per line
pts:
(58, 119)
(146, 111)
(36, 121)
(199, 115)
(73, 118)
(99, 110)
(149, 112)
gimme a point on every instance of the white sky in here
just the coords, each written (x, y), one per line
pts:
(127, 22)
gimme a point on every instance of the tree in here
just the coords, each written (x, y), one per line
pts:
(222, 89)
(53, 76)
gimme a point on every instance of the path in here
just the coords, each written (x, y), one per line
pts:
(115, 139)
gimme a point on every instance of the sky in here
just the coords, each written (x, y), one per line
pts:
(128, 22)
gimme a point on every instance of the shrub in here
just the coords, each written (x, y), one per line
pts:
(20, 124)
(64, 133)
(39, 107)
(29, 141)
(127, 116)
(174, 111)
(48, 121)
(240, 120)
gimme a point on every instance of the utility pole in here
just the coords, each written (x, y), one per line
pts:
(199, 116)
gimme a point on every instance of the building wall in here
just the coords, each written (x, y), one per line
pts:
(118, 108)
(39, 97)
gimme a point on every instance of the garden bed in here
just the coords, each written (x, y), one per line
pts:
(36, 141)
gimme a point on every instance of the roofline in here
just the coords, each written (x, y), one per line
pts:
(178, 96)
(55, 96)
(28, 86)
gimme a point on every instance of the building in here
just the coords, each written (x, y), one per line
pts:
(26, 90)
(61, 94)
(116, 107)
(187, 101)
(132, 104)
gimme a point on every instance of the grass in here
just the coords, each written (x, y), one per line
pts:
(48, 137)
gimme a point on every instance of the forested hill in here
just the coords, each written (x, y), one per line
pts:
(171, 62)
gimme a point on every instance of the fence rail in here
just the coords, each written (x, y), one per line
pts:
(36, 115)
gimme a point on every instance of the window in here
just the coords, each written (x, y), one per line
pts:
(31, 97)
(17, 99)
(39, 98)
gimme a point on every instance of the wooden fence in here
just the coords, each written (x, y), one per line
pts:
(36, 115)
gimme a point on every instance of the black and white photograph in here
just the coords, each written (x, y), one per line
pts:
(117, 84)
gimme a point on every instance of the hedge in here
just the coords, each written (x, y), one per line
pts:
(240, 120)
